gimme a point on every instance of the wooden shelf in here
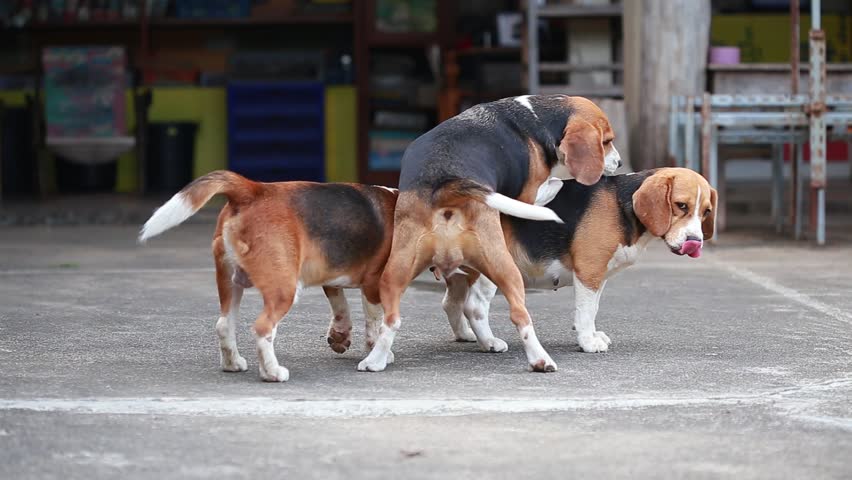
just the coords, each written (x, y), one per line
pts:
(171, 22)
(377, 105)
(487, 95)
(613, 91)
(297, 19)
(574, 67)
(96, 24)
(489, 51)
(773, 67)
(403, 40)
(580, 11)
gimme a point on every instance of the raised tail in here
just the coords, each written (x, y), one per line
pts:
(455, 192)
(519, 209)
(188, 201)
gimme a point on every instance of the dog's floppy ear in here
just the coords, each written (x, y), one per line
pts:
(708, 225)
(652, 204)
(582, 146)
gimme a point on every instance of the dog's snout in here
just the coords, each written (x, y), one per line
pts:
(694, 238)
(620, 163)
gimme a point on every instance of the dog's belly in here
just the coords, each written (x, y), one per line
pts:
(548, 275)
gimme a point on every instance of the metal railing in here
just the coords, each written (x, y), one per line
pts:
(699, 124)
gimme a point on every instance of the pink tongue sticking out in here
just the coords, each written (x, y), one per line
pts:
(691, 248)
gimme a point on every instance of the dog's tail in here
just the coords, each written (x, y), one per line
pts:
(456, 192)
(185, 203)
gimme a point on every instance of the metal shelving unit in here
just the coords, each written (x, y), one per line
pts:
(568, 12)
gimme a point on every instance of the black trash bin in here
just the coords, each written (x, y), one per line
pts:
(171, 150)
(16, 150)
(74, 177)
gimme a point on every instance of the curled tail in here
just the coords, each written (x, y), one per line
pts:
(185, 203)
(455, 192)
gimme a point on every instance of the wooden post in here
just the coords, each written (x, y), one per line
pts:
(665, 54)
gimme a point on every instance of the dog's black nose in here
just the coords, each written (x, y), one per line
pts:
(619, 163)
(693, 238)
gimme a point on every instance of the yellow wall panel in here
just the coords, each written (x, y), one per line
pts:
(341, 134)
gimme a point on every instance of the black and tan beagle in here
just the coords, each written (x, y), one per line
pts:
(606, 227)
(457, 178)
(281, 238)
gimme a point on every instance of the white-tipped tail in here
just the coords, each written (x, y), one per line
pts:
(520, 209)
(171, 214)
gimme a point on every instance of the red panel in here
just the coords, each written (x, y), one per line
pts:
(837, 152)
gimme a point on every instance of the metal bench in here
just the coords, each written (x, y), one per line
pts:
(699, 124)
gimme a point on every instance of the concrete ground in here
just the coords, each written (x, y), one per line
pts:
(738, 364)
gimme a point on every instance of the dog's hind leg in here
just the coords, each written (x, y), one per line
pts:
(340, 329)
(492, 259)
(230, 295)
(409, 256)
(276, 303)
(278, 283)
(453, 303)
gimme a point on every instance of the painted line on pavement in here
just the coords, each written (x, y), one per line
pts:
(108, 271)
(786, 292)
(260, 406)
(794, 401)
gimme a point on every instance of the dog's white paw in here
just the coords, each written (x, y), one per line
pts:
(370, 365)
(390, 358)
(543, 365)
(593, 343)
(237, 364)
(494, 345)
(466, 335)
(280, 374)
(603, 337)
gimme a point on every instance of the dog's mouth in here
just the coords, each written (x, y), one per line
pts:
(692, 248)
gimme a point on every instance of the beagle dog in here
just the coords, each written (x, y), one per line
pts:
(280, 238)
(456, 179)
(606, 226)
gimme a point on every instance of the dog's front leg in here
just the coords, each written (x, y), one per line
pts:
(453, 303)
(586, 301)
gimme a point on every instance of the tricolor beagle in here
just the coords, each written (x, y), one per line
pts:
(282, 237)
(457, 178)
(606, 226)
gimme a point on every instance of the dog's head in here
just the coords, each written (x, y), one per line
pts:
(586, 146)
(679, 206)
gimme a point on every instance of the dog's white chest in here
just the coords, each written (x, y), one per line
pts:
(626, 255)
(550, 276)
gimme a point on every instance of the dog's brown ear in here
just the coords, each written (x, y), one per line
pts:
(652, 204)
(582, 146)
(708, 225)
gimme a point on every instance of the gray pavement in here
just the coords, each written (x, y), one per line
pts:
(738, 364)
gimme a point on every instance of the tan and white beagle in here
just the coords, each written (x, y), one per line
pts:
(457, 178)
(606, 227)
(281, 238)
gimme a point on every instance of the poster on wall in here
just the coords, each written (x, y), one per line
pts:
(406, 16)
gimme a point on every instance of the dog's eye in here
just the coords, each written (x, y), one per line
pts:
(607, 142)
(682, 206)
(706, 213)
